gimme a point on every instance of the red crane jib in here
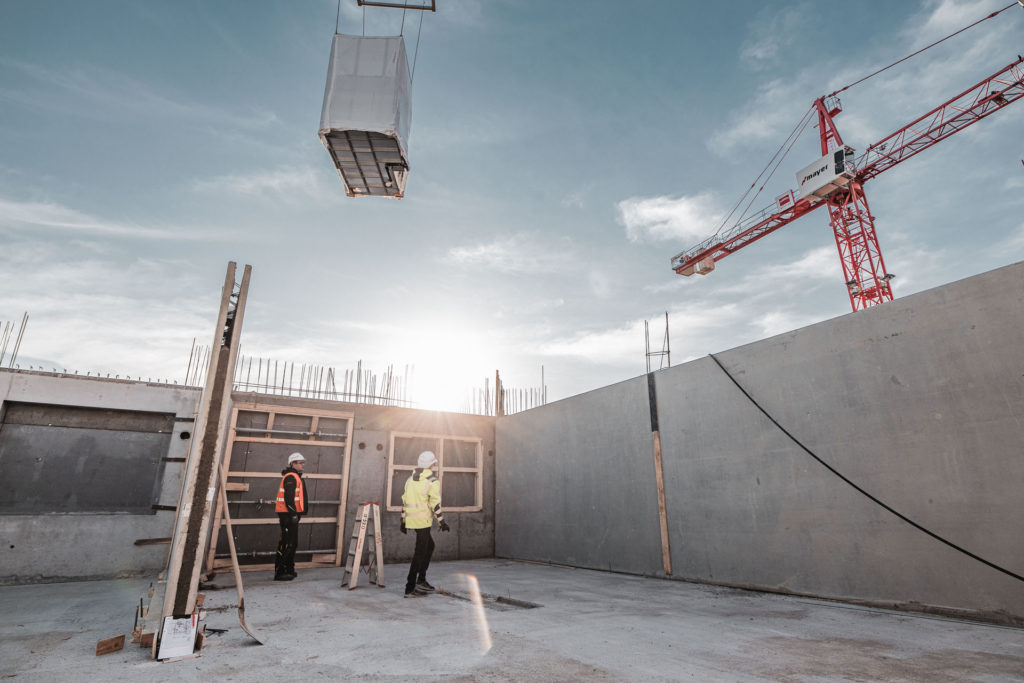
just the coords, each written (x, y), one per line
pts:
(853, 225)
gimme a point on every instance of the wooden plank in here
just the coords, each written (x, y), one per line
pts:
(234, 559)
(277, 475)
(108, 645)
(666, 554)
(291, 410)
(152, 541)
(237, 486)
(147, 640)
(297, 442)
(342, 507)
(274, 520)
(226, 464)
(325, 557)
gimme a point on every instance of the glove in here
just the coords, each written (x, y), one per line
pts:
(402, 528)
(444, 526)
(293, 519)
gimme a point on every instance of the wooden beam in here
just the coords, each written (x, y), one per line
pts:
(108, 645)
(659, 476)
(152, 541)
(274, 520)
(192, 524)
(666, 551)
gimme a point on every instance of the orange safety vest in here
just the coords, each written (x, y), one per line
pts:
(300, 498)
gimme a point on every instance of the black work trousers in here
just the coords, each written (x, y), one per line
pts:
(420, 559)
(284, 561)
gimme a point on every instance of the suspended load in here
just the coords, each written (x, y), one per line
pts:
(366, 115)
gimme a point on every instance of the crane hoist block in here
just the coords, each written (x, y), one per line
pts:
(367, 113)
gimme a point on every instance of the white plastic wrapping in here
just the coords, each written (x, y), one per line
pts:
(367, 112)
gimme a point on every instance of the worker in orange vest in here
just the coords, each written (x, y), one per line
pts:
(291, 503)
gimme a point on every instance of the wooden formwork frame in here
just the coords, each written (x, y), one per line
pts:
(478, 495)
(272, 410)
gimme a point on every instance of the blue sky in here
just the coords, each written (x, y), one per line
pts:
(561, 153)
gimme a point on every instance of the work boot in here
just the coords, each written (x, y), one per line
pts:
(415, 593)
(283, 577)
(424, 586)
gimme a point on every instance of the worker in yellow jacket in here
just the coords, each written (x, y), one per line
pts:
(421, 503)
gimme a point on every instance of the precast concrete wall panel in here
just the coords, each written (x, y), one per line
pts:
(918, 402)
(576, 483)
(101, 454)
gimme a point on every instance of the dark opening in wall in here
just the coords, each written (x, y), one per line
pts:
(70, 459)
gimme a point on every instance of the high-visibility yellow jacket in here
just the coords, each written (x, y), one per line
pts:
(421, 500)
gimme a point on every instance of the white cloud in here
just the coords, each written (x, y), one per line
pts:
(521, 253)
(774, 110)
(283, 181)
(945, 17)
(1011, 247)
(666, 218)
(107, 94)
(617, 345)
(94, 310)
(600, 284)
(573, 200)
(16, 215)
(771, 32)
(777, 322)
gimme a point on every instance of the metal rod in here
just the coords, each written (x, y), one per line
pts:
(21, 332)
(270, 501)
(266, 553)
(257, 430)
(4, 339)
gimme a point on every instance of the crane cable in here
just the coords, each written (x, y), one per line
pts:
(791, 139)
(401, 31)
(990, 16)
(870, 497)
(802, 126)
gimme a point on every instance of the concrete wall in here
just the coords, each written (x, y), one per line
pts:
(574, 482)
(918, 402)
(64, 546)
(472, 533)
(58, 547)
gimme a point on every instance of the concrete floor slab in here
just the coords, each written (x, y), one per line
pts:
(589, 626)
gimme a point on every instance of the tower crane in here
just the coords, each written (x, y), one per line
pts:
(837, 180)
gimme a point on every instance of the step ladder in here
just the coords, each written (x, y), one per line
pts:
(375, 550)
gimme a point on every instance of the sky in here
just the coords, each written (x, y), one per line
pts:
(561, 153)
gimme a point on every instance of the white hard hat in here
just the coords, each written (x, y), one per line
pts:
(426, 459)
(295, 457)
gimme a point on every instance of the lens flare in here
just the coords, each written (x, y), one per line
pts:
(479, 616)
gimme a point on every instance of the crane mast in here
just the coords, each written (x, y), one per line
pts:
(842, 190)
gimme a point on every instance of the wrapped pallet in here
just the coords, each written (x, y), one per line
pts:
(366, 115)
